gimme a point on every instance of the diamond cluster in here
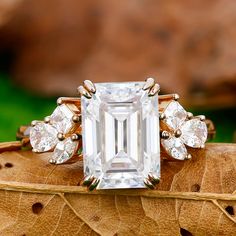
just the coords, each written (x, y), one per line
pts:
(183, 131)
(45, 136)
(121, 133)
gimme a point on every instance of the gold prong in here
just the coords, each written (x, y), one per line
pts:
(59, 101)
(153, 179)
(34, 150)
(148, 183)
(149, 83)
(154, 90)
(188, 157)
(202, 146)
(34, 122)
(61, 136)
(201, 117)
(178, 133)
(47, 119)
(176, 97)
(84, 92)
(162, 116)
(76, 118)
(68, 100)
(89, 86)
(165, 134)
(75, 137)
(189, 115)
(52, 161)
(87, 180)
(94, 184)
(168, 97)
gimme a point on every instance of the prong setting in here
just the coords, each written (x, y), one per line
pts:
(162, 116)
(154, 90)
(94, 184)
(84, 92)
(201, 117)
(87, 180)
(60, 136)
(59, 101)
(52, 161)
(176, 97)
(178, 133)
(189, 115)
(165, 134)
(75, 137)
(149, 83)
(153, 179)
(90, 182)
(148, 183)
(76, 118)
(188, 157)
(178, 130)
(47, 119)
(34, 122)
(89, 86)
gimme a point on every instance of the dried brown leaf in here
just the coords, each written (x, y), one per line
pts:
(196, 196)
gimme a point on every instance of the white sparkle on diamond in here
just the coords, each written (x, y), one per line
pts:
(120, 125)
(43, 137)
(175, 148)
(61, 118)
(64, 150)
(175, 115)
(193, 132)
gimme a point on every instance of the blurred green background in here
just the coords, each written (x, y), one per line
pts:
(20, 107)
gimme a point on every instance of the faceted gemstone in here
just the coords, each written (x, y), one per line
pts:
(61, 118)
(120, 135)
(64, 150)
(175, 115)
(175, 148)
(194, 133)
(43, 137)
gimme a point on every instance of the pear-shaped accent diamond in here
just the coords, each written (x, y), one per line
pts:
(61, 119)
(43, 137)
(175, 148)
(194, 133)
(64, 150)
(175, 115)
(184, 131)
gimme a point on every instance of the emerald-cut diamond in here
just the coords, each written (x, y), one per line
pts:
(120, 135)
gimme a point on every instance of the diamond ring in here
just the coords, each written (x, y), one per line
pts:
(120, 130)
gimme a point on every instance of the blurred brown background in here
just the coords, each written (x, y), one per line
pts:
(50, 46)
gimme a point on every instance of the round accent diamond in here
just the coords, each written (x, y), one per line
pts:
(43, 137)
(175, 148)
(64, 150)
(175, 115)
(61, 118)
(194, 133)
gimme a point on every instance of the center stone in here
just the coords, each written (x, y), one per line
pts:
(120, 126)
